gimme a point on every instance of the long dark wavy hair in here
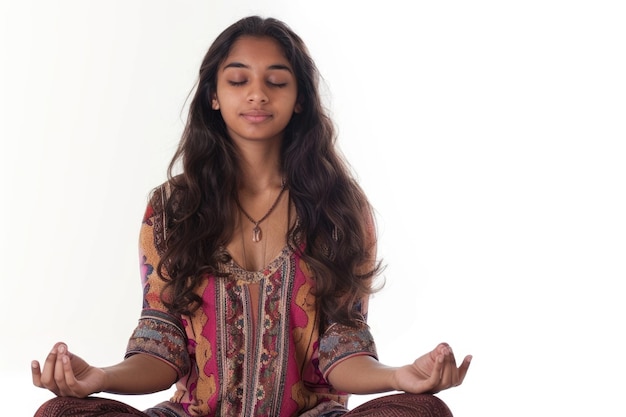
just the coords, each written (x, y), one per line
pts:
(334, 216)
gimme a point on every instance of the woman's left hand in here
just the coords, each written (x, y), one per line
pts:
(433, 372)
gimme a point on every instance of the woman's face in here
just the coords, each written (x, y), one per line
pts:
(256, 90)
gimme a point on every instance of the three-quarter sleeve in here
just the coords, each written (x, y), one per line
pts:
(159, 333)
(340, 342)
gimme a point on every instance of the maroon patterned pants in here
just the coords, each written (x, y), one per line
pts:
(397, 405)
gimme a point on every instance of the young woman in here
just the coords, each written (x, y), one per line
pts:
(258, 260)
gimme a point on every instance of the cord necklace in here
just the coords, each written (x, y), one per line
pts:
(257, 234)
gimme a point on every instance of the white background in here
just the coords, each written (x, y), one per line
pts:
(489, 136)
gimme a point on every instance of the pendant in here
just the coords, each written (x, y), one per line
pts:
(256, 234)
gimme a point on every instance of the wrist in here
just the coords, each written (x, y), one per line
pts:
(394, 379)
(105, 381)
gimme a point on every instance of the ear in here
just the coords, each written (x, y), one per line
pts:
(297, 108)
(215, 104)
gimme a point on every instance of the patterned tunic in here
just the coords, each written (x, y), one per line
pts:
(229, 366)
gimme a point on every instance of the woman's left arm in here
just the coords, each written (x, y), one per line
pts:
(432, 372)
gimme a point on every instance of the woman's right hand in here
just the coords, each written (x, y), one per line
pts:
(67, 375)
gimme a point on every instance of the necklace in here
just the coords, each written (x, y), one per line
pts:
(257, 235)
(251, 274)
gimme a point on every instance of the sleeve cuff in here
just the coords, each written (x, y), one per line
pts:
(341, 342)
(161, 335)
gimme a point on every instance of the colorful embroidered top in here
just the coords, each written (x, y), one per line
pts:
(227, 365)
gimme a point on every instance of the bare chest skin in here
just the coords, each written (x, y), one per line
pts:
(255, 255)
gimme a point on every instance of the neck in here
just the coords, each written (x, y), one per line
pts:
(260, 168)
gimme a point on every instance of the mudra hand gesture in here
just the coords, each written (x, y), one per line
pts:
(67, 375)
(432, 372)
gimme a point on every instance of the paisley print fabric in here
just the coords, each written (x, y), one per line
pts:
(235, 361)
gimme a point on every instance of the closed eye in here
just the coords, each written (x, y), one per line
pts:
(270, 83)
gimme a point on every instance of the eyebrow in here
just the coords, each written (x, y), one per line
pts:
(271, 67)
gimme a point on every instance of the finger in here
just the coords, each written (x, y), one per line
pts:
(442, 345)
(439, 350)
(46, 377)
(69, 376)
(434, 380)
(448, 369)
(457, 374)
(36, 373)
(463, 368)
(59, 370)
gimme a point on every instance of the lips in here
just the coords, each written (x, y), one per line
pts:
(256, 116)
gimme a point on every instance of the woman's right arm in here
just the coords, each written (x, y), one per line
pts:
(68, 375)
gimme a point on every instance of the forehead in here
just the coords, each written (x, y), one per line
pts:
(256, 51)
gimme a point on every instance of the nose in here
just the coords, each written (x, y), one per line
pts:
(257, 93)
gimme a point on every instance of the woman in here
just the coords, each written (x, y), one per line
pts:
(257, 259)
